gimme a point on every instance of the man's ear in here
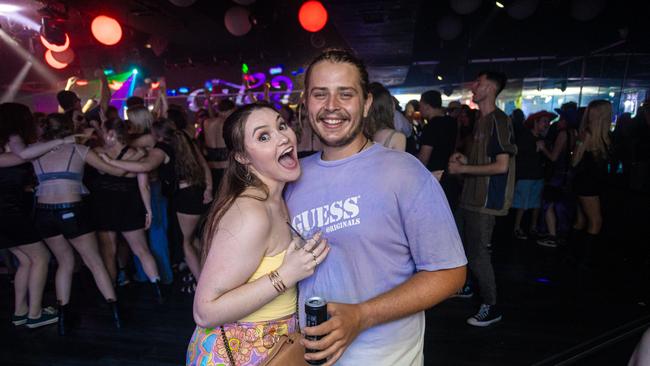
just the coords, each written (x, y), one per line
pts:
(367, 104)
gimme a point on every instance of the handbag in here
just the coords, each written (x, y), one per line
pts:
(286, 351)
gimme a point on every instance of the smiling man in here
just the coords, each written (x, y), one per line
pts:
(395, 248)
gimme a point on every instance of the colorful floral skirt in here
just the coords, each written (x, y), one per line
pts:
(249, 342)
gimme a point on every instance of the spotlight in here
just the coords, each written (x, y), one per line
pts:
(499, 5)
(8, 8)
(135, 71)
(439, 77)
(52, 31)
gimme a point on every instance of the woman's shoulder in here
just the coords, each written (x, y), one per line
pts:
(249, 214)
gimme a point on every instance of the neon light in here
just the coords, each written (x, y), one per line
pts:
(275, 70)
(132, 85)
(155, 84)
(244, 69)
(183, 90)
(109, 72)
(135, 71)
(82, 82)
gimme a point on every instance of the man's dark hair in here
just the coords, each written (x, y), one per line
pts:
(67, 99)
(226, 105)
(432, 98)
(337, 55)
(496, 77)
(134, 101)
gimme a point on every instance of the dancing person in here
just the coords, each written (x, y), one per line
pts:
(123, 205)
(529, 170)
(215, 146)
(140, 122)
(381, 119)
(62, 217)
(17, 231)
(397, 251)
(489, 177)
(184, 181)
(251, 264)
(589, 160)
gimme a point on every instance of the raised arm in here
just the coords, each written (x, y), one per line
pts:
(222, 294)
(104, 91)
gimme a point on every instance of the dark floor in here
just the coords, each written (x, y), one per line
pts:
(553, 312)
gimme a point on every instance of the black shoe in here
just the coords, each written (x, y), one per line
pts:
(63, 324)
(157, 292)
(486, 315)
(116, 313)
(48, 316)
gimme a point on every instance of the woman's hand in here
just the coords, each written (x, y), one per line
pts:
(300, 263)
(147, 220)
(105, 157)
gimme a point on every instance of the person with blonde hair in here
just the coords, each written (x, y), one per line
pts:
(589, 160)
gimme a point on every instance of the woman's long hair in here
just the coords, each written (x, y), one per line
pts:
(57, 126)
(16, 119)
(598, 126)
(187, 163)
(382, 111)
(140, 119)
(237, 178)
(121, 129)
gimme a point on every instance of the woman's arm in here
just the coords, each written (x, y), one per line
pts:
(145, 194)
(9, 160)
(207, 194)
(145, 165)
(580, 148)
(96, 162)
(36, 150)
(222, 294)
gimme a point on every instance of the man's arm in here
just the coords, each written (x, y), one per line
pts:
(422, 291)
(425, 154)
(500, 166)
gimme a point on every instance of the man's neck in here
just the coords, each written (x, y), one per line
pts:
(487, 106)
(331, 153)
(436, 113)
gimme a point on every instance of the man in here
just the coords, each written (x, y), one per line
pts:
(395, 249)
(438, 142)
(489, 172)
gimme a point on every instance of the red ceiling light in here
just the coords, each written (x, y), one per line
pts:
(312, 16)
(53, 62)
(54, 48)
(106, 30)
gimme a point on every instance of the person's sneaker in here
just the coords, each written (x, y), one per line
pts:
(549, 242)
(487, 315)
(48, 316)
(122, 278)
(464, 293)
(19, 319)
(520, 234)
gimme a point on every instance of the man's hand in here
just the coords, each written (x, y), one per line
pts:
(339, 331)
(458, 157)
(540, 145)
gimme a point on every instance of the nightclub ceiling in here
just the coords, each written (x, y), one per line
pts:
(404, 42)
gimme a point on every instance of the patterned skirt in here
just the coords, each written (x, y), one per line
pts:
(249, 342)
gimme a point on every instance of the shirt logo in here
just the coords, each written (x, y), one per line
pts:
(332, 217)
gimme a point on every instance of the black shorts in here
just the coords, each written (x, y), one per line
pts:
(16, 230)
(68, 219)
(189, 200)
(217, 175)
(117, 211)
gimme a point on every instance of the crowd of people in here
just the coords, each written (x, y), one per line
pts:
(380, 217)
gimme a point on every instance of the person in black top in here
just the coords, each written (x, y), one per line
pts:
(438, 142)
(529, 169)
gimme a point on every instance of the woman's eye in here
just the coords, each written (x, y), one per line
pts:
(264, 137)
(283, 126)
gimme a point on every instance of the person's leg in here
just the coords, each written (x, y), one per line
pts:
(86, 245)
(591, 208)
(138, 244)
(519, 214)
(21, 281)
(107, 249)
(190, 244)
(65, 261)
(158, 237)
(534, 217)
(551, 220)
(39, 257)
(581, 220)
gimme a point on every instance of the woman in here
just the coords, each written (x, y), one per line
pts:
(61, 216)
(251, 265)
(123, 204)
(183, 178)
(380, 119)
(589, 160)
(215, 147)
(17, 231)
(140, 123)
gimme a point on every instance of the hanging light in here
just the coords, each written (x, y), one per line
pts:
(106, 30)
(312, 16)
(54, 48)
(49, 58)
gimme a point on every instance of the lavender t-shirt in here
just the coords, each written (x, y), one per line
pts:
(386, 218)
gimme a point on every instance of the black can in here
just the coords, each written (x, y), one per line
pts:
(315, 314)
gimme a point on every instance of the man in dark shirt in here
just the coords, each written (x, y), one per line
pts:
(438, 142)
